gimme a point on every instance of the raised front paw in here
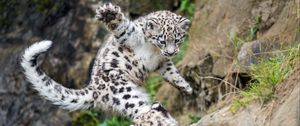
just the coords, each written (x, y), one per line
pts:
(109, 13)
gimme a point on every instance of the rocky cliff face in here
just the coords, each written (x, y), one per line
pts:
(283, 111)
(225, 38)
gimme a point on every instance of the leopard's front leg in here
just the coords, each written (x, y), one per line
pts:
(171, 75)
(124, 30)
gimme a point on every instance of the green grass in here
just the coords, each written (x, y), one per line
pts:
(152, 84)
(254, 29)
(194, 118)
(116, 121)
(266, 75)
(236, 41)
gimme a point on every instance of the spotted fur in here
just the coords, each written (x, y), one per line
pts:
(134, 49)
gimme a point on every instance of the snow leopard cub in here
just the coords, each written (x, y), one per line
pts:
(134, 49)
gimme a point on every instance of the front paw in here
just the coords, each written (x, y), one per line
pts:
(188, 89)
(184, 87)
(109, 13)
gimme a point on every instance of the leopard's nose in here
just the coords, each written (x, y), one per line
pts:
(170, 53)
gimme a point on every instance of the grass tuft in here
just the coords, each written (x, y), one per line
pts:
(194, 118)
(254, 29)
(266, 75)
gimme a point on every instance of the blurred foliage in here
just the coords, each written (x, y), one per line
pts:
(9, 11)
(188, 7)
(266, 75)
(48, 6)
(14, 12)
(88, 118)
(298, 29)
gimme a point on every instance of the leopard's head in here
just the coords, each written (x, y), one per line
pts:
(166, 30)
(157, 116)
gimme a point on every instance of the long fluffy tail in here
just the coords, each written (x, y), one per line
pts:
(68, 98)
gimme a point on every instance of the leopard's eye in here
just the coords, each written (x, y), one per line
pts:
(177, 40)
(182, 36)
(163, 42)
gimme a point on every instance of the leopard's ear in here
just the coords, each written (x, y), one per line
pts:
(158, 107)
(184, 23)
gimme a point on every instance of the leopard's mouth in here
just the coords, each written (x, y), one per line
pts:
(168, 54)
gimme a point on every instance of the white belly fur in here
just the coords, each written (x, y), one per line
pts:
(148, 55)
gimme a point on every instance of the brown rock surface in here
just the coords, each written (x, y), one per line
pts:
(215, 26)
(283, 111)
